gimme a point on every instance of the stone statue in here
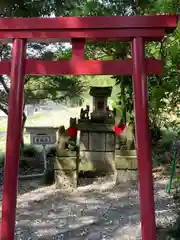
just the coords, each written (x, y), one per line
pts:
(67, 137)
(63, 139)
(84, 114)
(127, 137)
(130, 137)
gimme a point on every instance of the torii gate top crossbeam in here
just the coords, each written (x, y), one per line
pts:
(104, 28)
(79, 31)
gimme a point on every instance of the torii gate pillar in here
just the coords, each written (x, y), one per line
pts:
(14, 136)
(143, 143)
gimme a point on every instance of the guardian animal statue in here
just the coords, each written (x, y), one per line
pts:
(84, 114)
(63, 139)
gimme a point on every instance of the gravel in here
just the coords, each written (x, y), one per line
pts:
(101, 210)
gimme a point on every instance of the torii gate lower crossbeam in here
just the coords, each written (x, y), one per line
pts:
(80, 29)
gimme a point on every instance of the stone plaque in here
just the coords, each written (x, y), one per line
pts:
(96, 141)
(84, 141)
(110, 142)
(42, 139)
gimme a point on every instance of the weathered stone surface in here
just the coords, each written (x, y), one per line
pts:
(126, 152)
(126, 159)
(84, 141)
(97, 141)
(65, 163)
(67, 153)
(89, 126)
(100, 161)
(64, 178)
(110, 141)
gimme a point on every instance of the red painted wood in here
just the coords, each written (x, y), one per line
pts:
(143, 143)
(15, 111)
(87, 67)
(5, 67)
(125, 22)
(78, 49)
(89, 34)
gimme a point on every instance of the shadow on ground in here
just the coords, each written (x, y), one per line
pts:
(98, 211)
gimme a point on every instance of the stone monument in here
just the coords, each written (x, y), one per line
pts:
(97, 138)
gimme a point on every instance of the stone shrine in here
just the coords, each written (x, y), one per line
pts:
(95, 152)
(97, 138)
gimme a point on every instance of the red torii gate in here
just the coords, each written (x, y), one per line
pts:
(138, 30)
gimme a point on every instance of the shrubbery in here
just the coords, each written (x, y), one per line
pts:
(163, 146)
(2, 157)
(29, 151)
(51, 151)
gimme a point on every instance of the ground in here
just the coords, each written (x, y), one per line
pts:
(101, 210)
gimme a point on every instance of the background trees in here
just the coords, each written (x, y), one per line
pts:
(58, 88)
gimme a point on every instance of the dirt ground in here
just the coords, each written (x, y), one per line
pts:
(100, 210)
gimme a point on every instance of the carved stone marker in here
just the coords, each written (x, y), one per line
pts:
(42, 135)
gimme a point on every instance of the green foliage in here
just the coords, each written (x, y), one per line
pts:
(2, 158)
(162, 148)
(167, 140)
(26, 8)
(29, 151)
(51, 152)
(54, 88)
(57, 88)
(164, 89)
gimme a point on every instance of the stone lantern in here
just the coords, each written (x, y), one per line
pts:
(100, 99)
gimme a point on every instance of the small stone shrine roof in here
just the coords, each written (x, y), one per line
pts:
(100, 91)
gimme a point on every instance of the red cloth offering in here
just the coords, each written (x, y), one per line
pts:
(72, 132)
(119, 130)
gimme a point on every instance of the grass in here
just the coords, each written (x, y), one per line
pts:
(3, 125)
(31, 121)
(3, 142)
(55, 118)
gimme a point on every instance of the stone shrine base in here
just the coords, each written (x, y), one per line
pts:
(69, 166)
(66, 169)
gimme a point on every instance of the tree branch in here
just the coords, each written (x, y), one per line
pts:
(3, 109)
(4, 84)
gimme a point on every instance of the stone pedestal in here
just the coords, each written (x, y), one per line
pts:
(97, 147)
(66, 169)
(126, 159)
